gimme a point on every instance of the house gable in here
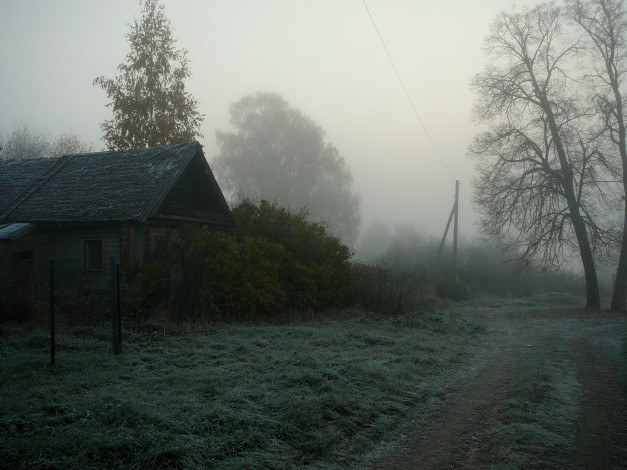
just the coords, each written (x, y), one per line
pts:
(195, 197)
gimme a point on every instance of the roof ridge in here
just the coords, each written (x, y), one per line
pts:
(40, 180)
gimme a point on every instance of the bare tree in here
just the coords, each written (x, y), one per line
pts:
(538, 164)
(26, 141)
(68, 143)
(605, 26)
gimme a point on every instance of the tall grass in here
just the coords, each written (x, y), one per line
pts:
(226, 396)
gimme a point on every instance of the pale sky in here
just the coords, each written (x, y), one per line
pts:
(323, 56)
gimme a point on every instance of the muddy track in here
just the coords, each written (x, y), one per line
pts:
(593, 433)
(456, 434)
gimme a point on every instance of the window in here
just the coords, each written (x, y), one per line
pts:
(161, 244)
(92, 255)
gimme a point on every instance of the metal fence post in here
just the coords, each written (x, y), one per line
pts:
(52, 338)
(117, 349)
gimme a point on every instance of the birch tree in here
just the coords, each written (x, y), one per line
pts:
(150, 104)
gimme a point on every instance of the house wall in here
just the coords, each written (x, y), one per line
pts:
(4, 263)
(130, 245)
(158, 236)
(65, 246)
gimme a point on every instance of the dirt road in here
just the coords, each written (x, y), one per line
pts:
(546, 391)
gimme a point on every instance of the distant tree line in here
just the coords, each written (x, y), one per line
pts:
(409, 260)
(25, 141)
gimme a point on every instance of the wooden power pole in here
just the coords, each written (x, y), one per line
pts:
(455, 230)
(455, 218)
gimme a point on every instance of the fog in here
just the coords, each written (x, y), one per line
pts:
(324, 57)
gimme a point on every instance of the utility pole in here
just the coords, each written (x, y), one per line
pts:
(455, 218)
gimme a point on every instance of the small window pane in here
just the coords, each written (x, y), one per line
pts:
(93, 255)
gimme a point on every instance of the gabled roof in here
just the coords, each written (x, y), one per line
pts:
(128, 185)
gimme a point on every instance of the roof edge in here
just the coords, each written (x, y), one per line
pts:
(15, 231)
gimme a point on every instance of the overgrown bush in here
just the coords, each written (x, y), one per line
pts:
(22, 303)
(274, 261)
(481, 268)
(447, 288)
(379, 289)
(318, 271)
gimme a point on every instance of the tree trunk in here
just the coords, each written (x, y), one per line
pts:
(593, 299)
(620, 284)
(618, 296)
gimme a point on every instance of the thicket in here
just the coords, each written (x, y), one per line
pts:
(406, 272)
(481, 269)
(274, 261)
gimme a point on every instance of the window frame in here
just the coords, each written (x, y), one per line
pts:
(87, 261)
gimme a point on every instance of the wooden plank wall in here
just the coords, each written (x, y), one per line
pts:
(65, 247)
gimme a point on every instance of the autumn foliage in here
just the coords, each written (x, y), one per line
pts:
(274, 261)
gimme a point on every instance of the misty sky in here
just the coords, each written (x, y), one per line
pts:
(323, 56)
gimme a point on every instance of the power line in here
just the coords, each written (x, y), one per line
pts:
(398, 75)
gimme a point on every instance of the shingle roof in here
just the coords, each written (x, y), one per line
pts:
(104, 186)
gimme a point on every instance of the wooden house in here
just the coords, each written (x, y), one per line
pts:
(87, 209)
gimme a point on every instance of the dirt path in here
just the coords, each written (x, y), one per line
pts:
(593, 433)
(526, 351)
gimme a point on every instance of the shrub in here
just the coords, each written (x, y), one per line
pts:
(273, 262)
(447, 288)
(221, 277)
(22, 303)
(379, 289)
(318, 271)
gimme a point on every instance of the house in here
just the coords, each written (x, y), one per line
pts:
(87, 210)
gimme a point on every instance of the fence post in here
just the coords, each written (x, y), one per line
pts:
(114, 307)
(118, 313)
(115, 291)
(176, 288)
(52, 338)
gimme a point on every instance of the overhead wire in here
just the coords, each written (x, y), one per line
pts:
(413, 107)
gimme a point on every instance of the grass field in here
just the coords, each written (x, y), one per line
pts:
(319, 394)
